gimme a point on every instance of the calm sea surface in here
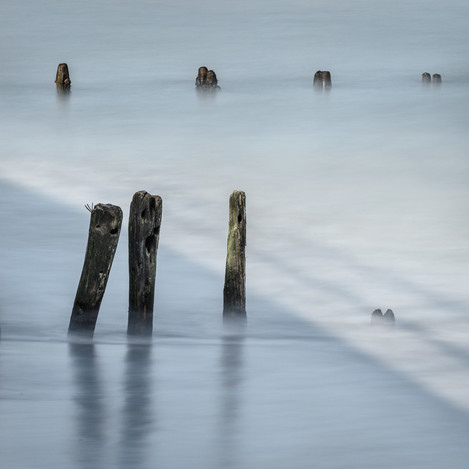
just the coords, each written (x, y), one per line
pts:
(356, 199)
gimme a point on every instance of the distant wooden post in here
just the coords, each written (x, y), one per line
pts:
(389, 316)
(62, 79)
(105, 226)
(144, 234)
(426, 78)
(234, 291)
(322, 79)
(436, 79)
(62, 76)
(376, 316)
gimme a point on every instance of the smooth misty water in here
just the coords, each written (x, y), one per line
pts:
(356, 199)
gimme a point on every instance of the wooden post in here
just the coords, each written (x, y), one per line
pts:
(234, 291)
(62, 79)
(436, 79)
(144, 234)
(426, 78)
(62, 76)
(322, 79)
(376, 317)
(105, 226)
(389, 316)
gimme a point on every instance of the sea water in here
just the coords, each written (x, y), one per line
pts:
(356, 200)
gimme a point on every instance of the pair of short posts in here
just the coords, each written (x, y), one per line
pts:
(144, 231)
(427, 78)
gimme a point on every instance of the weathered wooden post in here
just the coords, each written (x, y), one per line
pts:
(426, 78)
(201, 76)
(105, 226)
(144, 234)
(234, 291)
(436, 79)
(62, 78)
(322, 79)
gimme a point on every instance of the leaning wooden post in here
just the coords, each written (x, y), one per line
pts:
(234, 291)
(144, 234)
(105, 226)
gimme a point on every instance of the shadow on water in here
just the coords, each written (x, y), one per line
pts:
(137, 418)
(89, 398)
(230, 415)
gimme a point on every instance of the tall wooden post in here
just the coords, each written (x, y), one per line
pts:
(144, 234)
(105, 226)
(234, 291)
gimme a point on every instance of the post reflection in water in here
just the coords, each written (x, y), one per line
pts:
(89, 398)
(231, 398)
(136, 418)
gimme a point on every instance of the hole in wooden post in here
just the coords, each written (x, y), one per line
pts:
(143, 214)
(149, 243)
(240, 218)
(114, 231)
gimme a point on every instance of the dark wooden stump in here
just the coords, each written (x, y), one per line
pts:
(436, 79)
(206, 80)
(105, 226)
(322, 79)
(63, 77)
(234, 291)
(201, 76)
(144, 234)
(426, 78)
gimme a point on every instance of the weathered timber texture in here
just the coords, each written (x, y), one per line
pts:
(105, 226)
(234, 291)
(322, 79)
(206, 80)
(144, 234)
